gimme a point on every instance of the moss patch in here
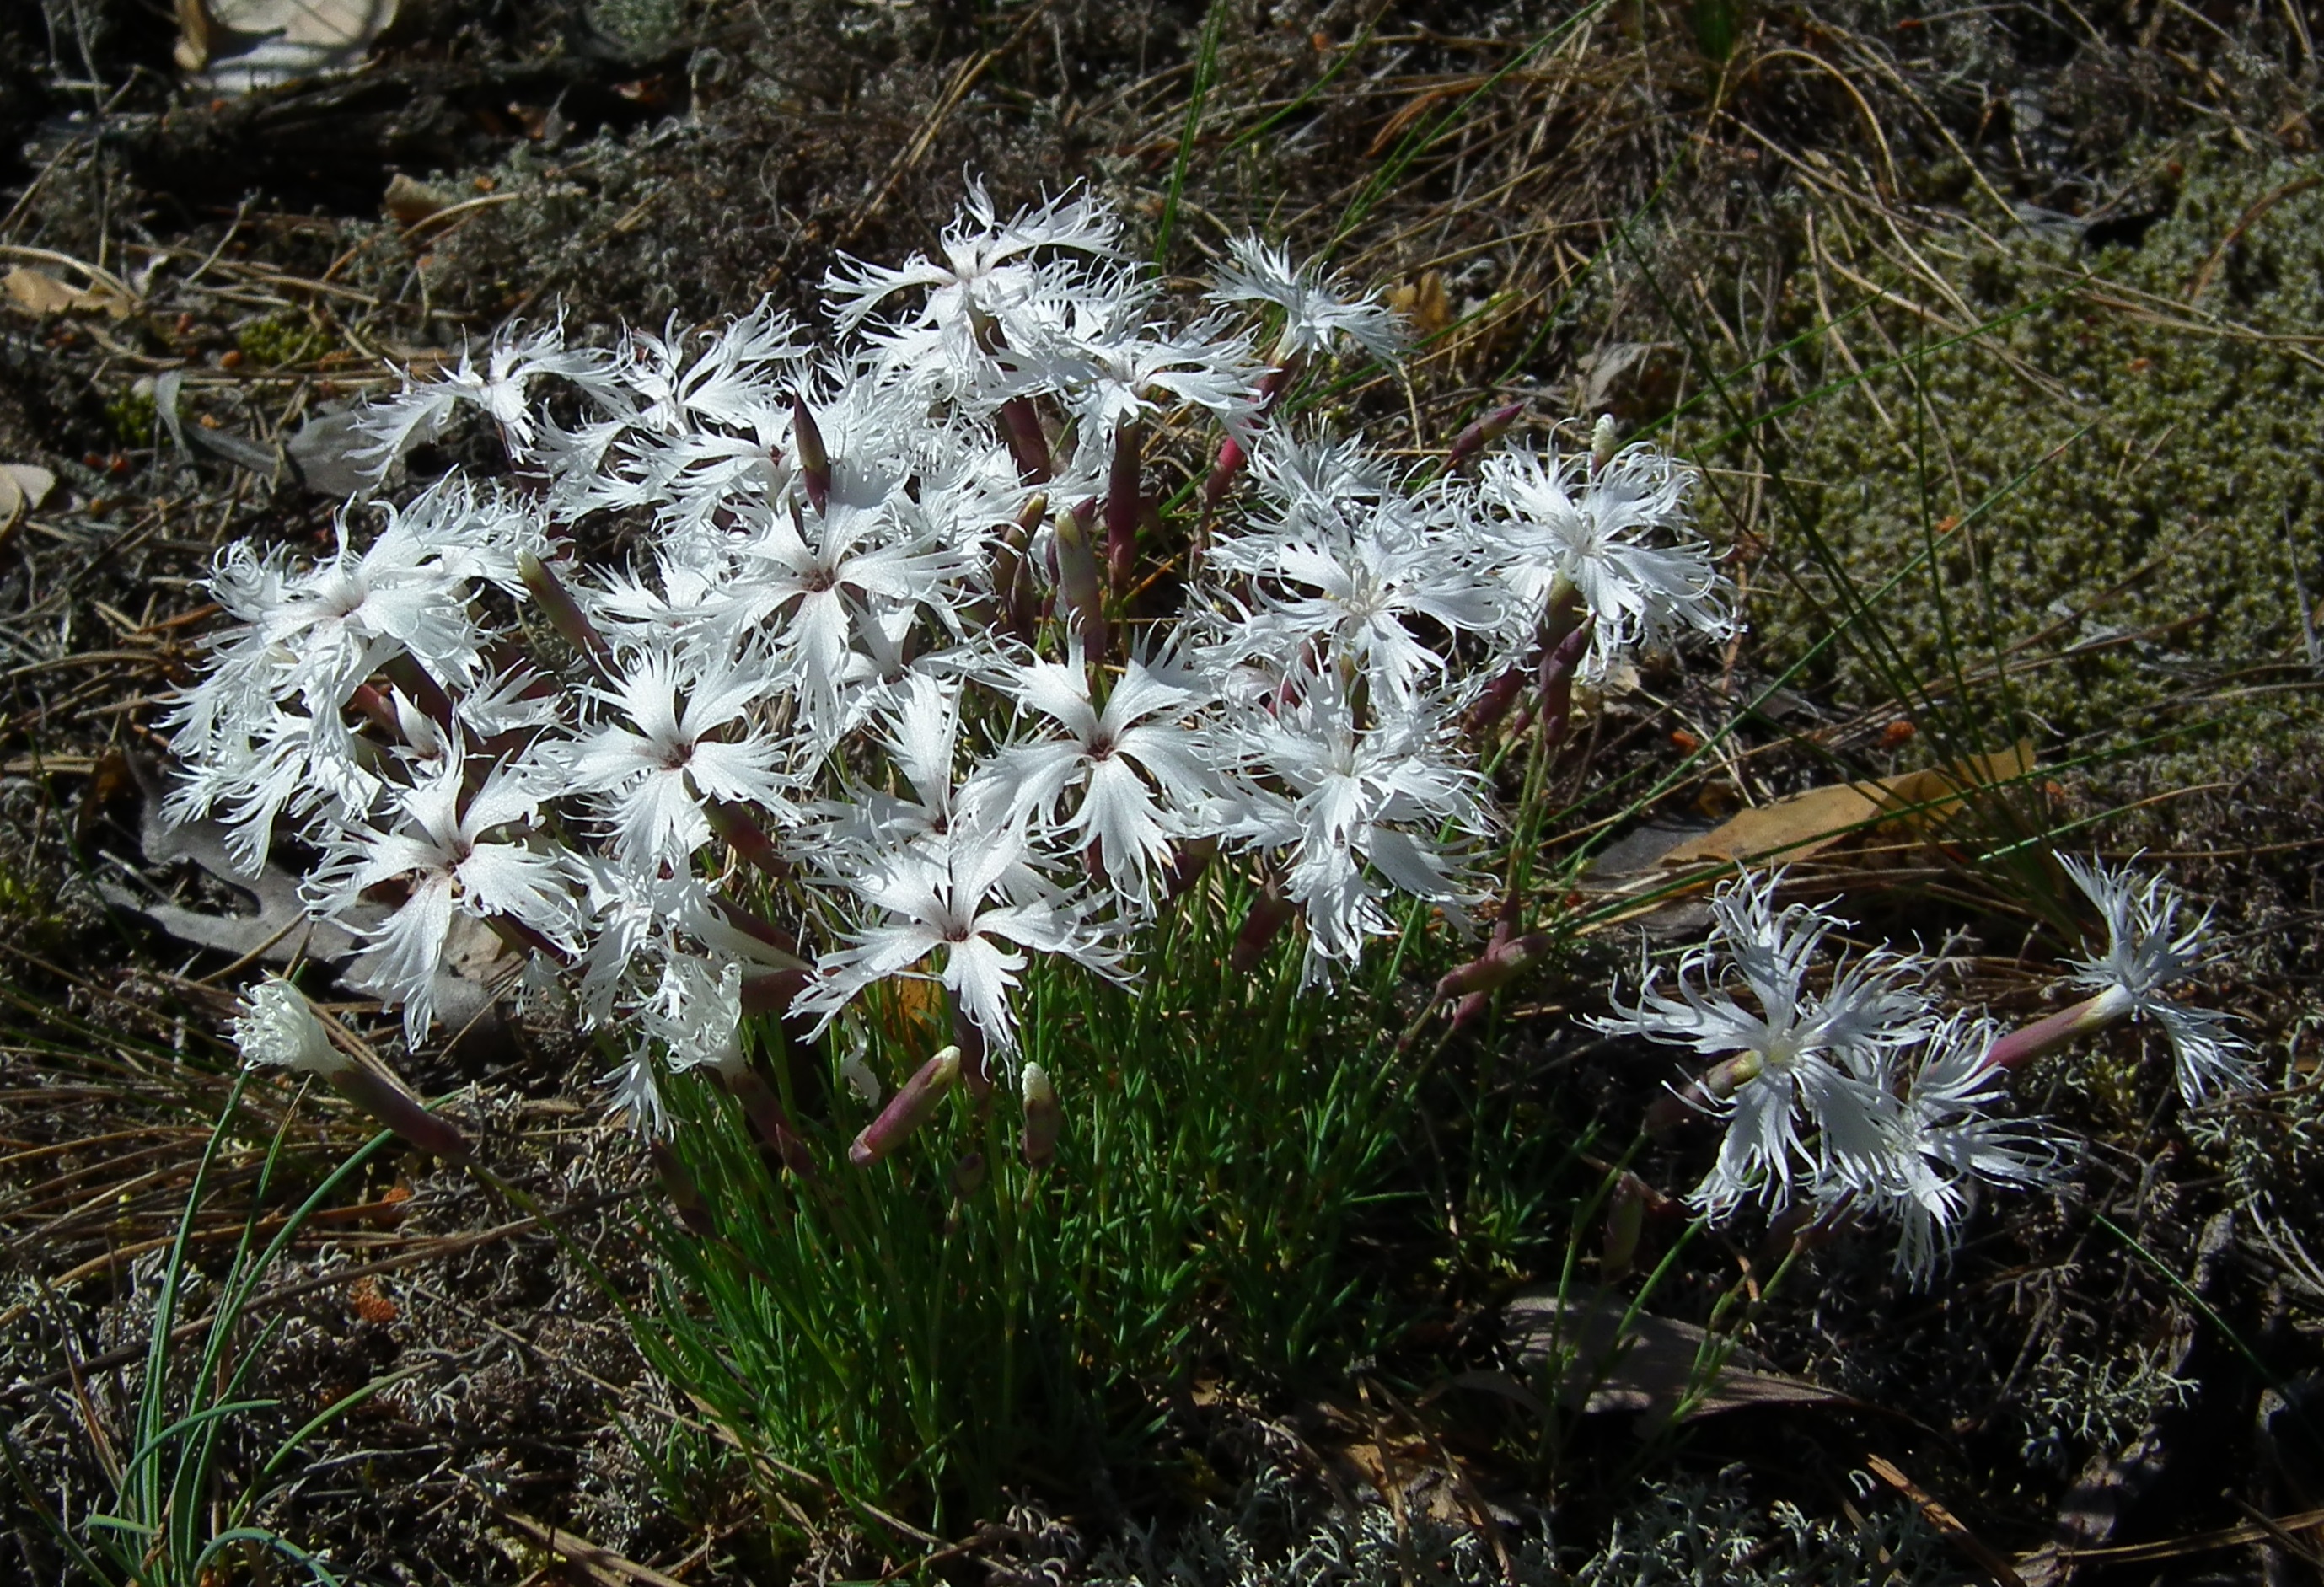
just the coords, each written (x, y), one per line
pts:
(2151, 562)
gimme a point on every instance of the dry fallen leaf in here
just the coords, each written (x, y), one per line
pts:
(280, 931)
(408, 202)
(36, 291)
(245, 45)
(195, 33)
(1807, 824)
(1423, 302)
(1616, 1360)
(31, 480)
(23, 488)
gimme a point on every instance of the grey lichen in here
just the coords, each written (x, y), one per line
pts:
(1680, 1533)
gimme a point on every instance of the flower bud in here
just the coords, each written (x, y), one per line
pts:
(563, 612)
(1045, 1119)
(1193, 856)
(1008, 581)
(1553, 700)
(1077, 577)
(1270, 911)
(404, 671)
(746, 836)
(771, 993)
(1495, 967)
(911, 1107)
(1626, 1219)
(975, 1056)
(1122, 502)
(1604, 441)
(1495, 702)
(2060, 1029)
(1481, 433)
(968, 1176)
(1724, 1079)
(1028, 443)
(814, 462)
(765, 1110)
(685, 1195)
(1232, 459)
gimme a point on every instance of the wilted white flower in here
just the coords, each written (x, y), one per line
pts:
(501, 388)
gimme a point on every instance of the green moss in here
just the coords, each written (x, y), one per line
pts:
(131, 415)
(281, 340)
(2145, 560)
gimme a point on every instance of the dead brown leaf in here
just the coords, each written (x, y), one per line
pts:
(36, 291)
(194, 32)
(23, 488)
(1615, 1360)
(246, 44)
(408, 202)
(1423, 302)
(1808, 824)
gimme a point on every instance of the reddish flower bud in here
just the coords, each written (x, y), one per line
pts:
(1028, 443)
(765, 1110)
(1483, 433)
(747, 838)
(1077, 577)
(1495, 967)
(1121, 504)
(1269, 912)
(1626, 1219)
(1222, 473)
(814, 462)
(685, 1197)
(912, 1106)
(2060, 1029)
(968, 1174)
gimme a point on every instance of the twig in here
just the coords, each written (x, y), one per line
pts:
(1975, 1548)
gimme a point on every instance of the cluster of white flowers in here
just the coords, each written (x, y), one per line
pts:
(1843, 1085)
(773, 668)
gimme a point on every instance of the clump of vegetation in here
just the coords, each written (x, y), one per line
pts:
(2105, 447)
(131, 416)
(1967, 319)
(281, 339)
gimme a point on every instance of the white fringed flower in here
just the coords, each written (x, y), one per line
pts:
(1317, 307)
(1802, 1085)
(798, 664)
(1946, 1140)
(2148, 949)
